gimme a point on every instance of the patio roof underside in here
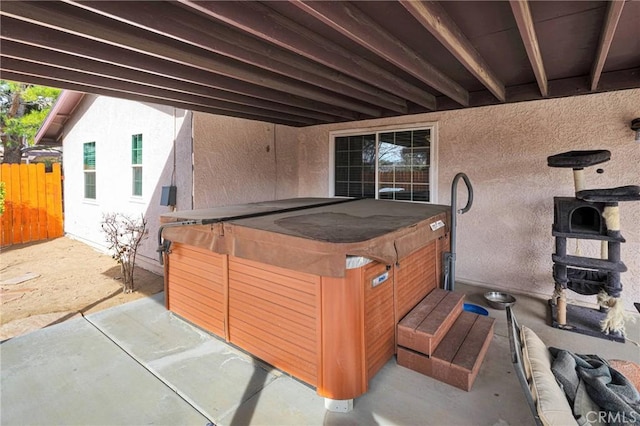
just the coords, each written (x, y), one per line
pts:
(306, 63)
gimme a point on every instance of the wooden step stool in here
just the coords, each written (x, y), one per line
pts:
(437, 338)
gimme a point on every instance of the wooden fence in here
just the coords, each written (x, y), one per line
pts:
(33, 203)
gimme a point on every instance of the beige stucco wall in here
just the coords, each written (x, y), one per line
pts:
(505, 240)
(241, 161)
(110, 123)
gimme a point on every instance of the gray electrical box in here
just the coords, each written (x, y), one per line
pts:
(168, 197)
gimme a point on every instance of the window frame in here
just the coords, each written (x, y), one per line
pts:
(377, 130)
(137, 166)
(86, 172)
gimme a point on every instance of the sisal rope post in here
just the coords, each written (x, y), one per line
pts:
(578, 179)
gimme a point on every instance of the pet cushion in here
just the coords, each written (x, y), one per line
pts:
(551, 402)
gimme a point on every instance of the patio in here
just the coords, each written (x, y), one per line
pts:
(138, 363)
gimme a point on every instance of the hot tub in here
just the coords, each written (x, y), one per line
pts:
(311, 287)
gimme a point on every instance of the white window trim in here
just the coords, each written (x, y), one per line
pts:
(433, 165)
(137, 198)
(86, 200)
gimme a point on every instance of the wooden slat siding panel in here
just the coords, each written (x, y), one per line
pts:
(279, 360)
(415, 278)
(42, 202)
(270, 284)
(16, 201)
(212, 286)
(190, 252)
(295, 321)
(285, 303)
(199, 269)
(203, 302)
(283, 341)
(34, 207)
(55, 214)
(379, 321)
(299, 276)
(255, 288)
(192, 292)
(196, 310)
(419, 274)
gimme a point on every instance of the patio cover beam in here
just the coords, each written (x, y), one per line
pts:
(72, 85)
(436, 20)
(68, 75)
(522, 13)
(218, 98)
(190, 27)
(352, 23)
(268, 25)
(614, 10)
(35, 35)
(71, 19)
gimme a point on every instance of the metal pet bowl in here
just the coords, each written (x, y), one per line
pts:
(499, 300)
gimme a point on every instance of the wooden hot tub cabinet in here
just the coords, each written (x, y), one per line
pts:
(333, 331)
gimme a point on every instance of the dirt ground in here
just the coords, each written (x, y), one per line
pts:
(64, 276)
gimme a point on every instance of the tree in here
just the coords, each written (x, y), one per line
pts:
(23, 109)
(123, 234)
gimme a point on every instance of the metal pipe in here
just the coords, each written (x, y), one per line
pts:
(450, 257)
(163, 246)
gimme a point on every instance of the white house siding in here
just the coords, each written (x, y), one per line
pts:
(505, 240)
(110, 123)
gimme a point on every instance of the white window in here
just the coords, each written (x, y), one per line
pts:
(136, 165)
(89, 167)
(393, 164)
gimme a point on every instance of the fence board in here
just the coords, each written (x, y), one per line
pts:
(42, 200)
(16, 204)
(33, 199)
(33, 203)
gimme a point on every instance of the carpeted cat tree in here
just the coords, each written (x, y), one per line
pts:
(593, 214)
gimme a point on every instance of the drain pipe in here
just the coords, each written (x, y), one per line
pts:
(164, 246)
(449, 258)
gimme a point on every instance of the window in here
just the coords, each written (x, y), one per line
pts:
(89, 166)
(136, 165)
(386, 165)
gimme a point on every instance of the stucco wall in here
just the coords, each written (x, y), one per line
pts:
(242, 161)
(505, 240)
(110, 123)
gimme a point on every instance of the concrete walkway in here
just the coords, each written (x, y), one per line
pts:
(140, 364)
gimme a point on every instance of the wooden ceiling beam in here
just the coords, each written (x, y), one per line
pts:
(435, 19)
(68, 85)
(77, 21)
(614, 10)
(21, 51)
(268, 25)
(72, 76)
(189, 26)
(352, 23)
(522, 13)
(35, 35)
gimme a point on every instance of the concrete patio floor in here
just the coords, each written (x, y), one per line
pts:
(139, 364)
